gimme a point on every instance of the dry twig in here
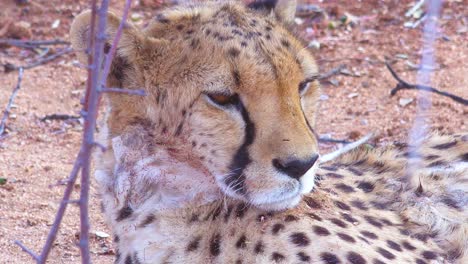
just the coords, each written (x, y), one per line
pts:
(403, 85)
(6, 113)
(93, 91)
(333, 140)
(59, 117)
(122, 90)
(10, 67)
(332, 72)
(30, 44)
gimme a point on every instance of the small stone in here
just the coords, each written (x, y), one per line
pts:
(462, 30)
(334, 82)
(408, 24)
(314, 44)
(346, 72)
(100, 234)
(20, 30)
(354, 135)
(353, 95)
(401, 56)
(405, 101)
(298, 21)
(135, 17)
(55, 24)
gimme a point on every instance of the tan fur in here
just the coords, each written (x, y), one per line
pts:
(165, 178)
(361, 210)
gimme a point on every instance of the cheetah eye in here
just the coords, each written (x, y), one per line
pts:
(223, 99)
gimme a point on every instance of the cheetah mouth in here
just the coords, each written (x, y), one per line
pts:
(287, 194)
(277, 201)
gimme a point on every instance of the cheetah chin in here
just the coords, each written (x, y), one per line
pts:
(217, 163)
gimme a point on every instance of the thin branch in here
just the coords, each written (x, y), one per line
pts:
(91, 105)
(100, 146)
(353, 145)
(332, 72)
(403, 85)
(32, 43)
(27, 250)
(59, 117)
(61, 211)
(89, 113)
(122, 90)
(10, 67)
(332, 140)
(6, 113)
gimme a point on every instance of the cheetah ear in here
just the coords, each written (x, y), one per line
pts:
(130, 41)
(285, 10)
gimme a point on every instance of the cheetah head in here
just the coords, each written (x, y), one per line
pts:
(229, 84)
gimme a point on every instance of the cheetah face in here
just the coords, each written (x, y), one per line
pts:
(248, 122)
(231, 86)
(250, 128)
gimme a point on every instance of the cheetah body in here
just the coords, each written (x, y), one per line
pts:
(363, 210)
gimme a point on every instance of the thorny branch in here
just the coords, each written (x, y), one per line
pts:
(332, 72)
(25, 249)
(10, 67)
(403, 85)
(59, 117)
(332, 140)
(32, 43)
(122, 90)
(6, 113)
(93, 91)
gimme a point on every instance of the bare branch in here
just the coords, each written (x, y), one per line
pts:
(122, 90)
(353, 145)
(27, 250)
(32, 43)
(61, 211)
(403, 85)
(59, 117)
(332, 140)
(10, 67)
(332, 72)
(6, 113)
(76, 201)
(99, 145)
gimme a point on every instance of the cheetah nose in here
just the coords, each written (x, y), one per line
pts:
(295, 168)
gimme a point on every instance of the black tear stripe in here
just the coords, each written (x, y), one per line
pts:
(241, 158)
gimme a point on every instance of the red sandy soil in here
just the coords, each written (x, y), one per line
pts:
(37, 156)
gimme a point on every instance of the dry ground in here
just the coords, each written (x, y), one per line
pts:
(36, 156)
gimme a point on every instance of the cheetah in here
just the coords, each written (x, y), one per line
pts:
(219, 163)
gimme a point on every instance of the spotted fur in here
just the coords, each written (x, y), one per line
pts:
(217, 163)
